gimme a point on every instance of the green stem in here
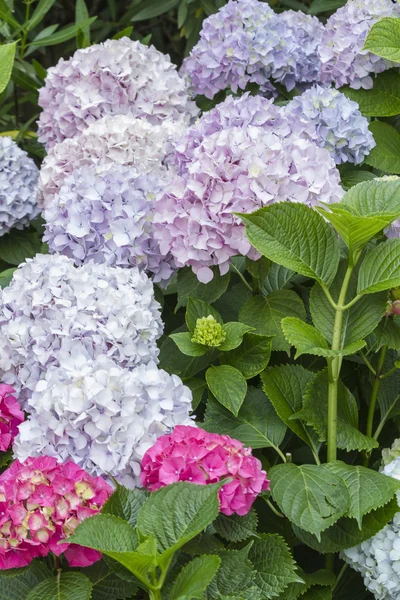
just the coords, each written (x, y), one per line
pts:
(25, 31)
(370, 367)
(155, 594)
(274, 510)
(375, 390)
(334, 366)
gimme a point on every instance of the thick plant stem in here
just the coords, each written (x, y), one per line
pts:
(375, 390)
(155, 595)
(334, 366)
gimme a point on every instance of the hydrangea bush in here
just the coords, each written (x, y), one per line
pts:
(200, 334)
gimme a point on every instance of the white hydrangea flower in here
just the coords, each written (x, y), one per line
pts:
(103, 417)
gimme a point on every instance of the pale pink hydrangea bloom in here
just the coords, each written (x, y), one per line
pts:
(192, 454)
(11, 416)
(41, 503)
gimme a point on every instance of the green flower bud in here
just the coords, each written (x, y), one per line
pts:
(208, 332)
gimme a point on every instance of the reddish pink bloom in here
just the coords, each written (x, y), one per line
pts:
(192, 454)
(41, 503)
(10, 416)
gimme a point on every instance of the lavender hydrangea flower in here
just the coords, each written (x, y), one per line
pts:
(18, 187)
(340, 126)
(107, 216)
(117, 77)
(343, 60)
(236, 169)
(122, 140)
(102, 416)
(53, 313)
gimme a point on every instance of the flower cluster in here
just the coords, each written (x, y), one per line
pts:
(343, 60)
(42, 502)
(117, 77)
(339, 124)
(10, 416)
(18, 186)
(208, 332)
(113, 140)
(55, 314)
(247, 42)
(107, 216)
(102, 416)
(236, 170)
(192, 454)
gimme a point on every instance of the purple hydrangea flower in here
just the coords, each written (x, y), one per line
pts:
(18, 187)
(343, 60)
(54, 314)
(339, 124)
(236, 169)
(102, 416)
(121, 140)
(117, 77)
(107, 216)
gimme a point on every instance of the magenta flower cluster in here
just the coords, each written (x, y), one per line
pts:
(192, 454)
(41, 504)
(11, 416)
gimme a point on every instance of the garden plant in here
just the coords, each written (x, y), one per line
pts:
(199, 300)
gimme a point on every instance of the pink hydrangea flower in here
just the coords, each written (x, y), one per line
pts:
(192, 454)
(11, 416)
(41, 503)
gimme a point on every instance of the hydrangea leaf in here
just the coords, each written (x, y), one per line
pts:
(195, 577)
(228, 385)
(346, 532)
(6, 276)
(378, 197)
(234, 335)
(284, 386)
(125, 504)
(315, 414)
(278, 278)
(383, 39)
(380, 269)
(107, 585)
(257, 425)
(235, 576)
(368, 489)
(258, 268)
(65, 586)
(105, 533)
(186, 346)
(7, 54)
(318, 593)
(197, 387)
(386, 154)
(352, 177)
(323, 577)
(174, 362)
(251, 357)
(388, 334)
(196, 309)
(311, 496)
(389, 398)
(265, 314)
(383, 100)
(16, 246)
(296, 237)
(189, 286)
(235, 528)
(15, 584)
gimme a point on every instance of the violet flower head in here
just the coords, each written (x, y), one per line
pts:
(11, 416)
(117, 77)
(54, 314)
(103, 417)
(107, 216)
(18, 187)
(339, 124)
(192, 454)
(41, 504)
(343, 60)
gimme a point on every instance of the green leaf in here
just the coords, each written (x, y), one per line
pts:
(234, 577)
(296, 237)
(127, 32)
(274, 565)
(65, 586)
(189, 286)
(107, 585)
(39, 13)
(318, 593)
(374, 198)
(82, 16)
(197, 387)
(177, 513)
(125, 504)
(15, 584)
(257, 424)
(311, 496)
(65, 34)
(380, 269)
(197, 309)
(352, 177)
(387, 334)
(384, 39)
(389, 397)
(323, 577)
(174, 362)
(6, 276)
(321, 6)
(368, 489)
(346, 533)
(105, 533)
(265, 314)
(17, 245)
(234, 335)
(251, 357)
(258, 269)
(195, 577)
(186, 346)
(7, 16)
(383, 100)
(228, 386)
(235, 528)
(385, 156)
(7, 55)
(308, 340)
(284, 386)
(153, 8)
(278, 278)
(315, 414)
